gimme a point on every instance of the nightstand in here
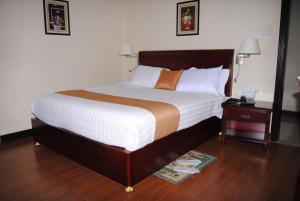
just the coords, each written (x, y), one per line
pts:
(247, 123)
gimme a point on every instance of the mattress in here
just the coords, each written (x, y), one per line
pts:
(120, 125)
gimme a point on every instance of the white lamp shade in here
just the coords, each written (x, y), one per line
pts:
(125, 50)
(249, 46)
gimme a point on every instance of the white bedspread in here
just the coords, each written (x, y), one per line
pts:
(120, 125)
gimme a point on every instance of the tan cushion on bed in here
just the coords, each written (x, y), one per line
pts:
(168, 79)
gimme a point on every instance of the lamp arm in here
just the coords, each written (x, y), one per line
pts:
(131, 55)
(237, 75)
(133, 69)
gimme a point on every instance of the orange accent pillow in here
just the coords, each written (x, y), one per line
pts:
(168, 79)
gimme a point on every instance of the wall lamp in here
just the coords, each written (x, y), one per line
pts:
(249, 46)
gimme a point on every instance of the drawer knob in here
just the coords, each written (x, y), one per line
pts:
(245, 116)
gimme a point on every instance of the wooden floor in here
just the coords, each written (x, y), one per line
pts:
(242, 171)
(290, 131)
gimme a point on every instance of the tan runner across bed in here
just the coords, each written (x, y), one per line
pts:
(166, 115)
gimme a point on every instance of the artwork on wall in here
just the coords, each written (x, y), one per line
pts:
(56, 14)
(187, 18)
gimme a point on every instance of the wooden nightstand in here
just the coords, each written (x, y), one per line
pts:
(248, 123)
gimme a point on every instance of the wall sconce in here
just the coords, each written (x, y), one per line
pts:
(125, 50)
(249, 46)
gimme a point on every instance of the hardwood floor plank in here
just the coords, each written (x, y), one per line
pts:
(242, 171)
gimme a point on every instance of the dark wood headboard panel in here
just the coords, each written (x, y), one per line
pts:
(184, 59)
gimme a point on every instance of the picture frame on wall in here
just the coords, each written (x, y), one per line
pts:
(56, 16)
(187, 18)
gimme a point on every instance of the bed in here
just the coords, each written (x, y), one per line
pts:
(130, 167)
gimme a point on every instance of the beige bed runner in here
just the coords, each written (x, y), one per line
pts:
(166, 115)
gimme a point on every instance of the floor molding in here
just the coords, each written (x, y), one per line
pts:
(17, 135)
(290, 114)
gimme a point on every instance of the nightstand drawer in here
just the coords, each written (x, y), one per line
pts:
(241, 114)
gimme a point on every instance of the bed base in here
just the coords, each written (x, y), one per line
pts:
(125, 167)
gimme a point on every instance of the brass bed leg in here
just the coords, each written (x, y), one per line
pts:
(37, 144)
(220, 136)
(129, 189)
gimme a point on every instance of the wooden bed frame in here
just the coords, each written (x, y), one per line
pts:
(127, 167)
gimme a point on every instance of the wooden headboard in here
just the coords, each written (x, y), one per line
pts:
(185, 59)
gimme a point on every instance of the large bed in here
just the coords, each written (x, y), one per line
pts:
(131, 165)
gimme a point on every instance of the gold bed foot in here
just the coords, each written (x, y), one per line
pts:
(37, 144)
(220, 136)
(129, 189)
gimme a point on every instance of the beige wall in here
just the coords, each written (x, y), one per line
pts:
(151, 25)
(33, 63)
(291, 95)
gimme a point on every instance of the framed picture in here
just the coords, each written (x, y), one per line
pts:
(56, 15)
(187, 18)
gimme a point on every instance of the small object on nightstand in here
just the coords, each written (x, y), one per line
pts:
(247, 101)
(247, 123)
(248, 95)
(243, 101)
(233, 101)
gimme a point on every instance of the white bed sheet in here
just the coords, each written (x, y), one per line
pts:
(121, 125)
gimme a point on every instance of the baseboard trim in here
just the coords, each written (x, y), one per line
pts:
(17, 135)
(290, 114)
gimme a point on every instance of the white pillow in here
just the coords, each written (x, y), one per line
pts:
(146, 76)
(223, 80)
(200, 80)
